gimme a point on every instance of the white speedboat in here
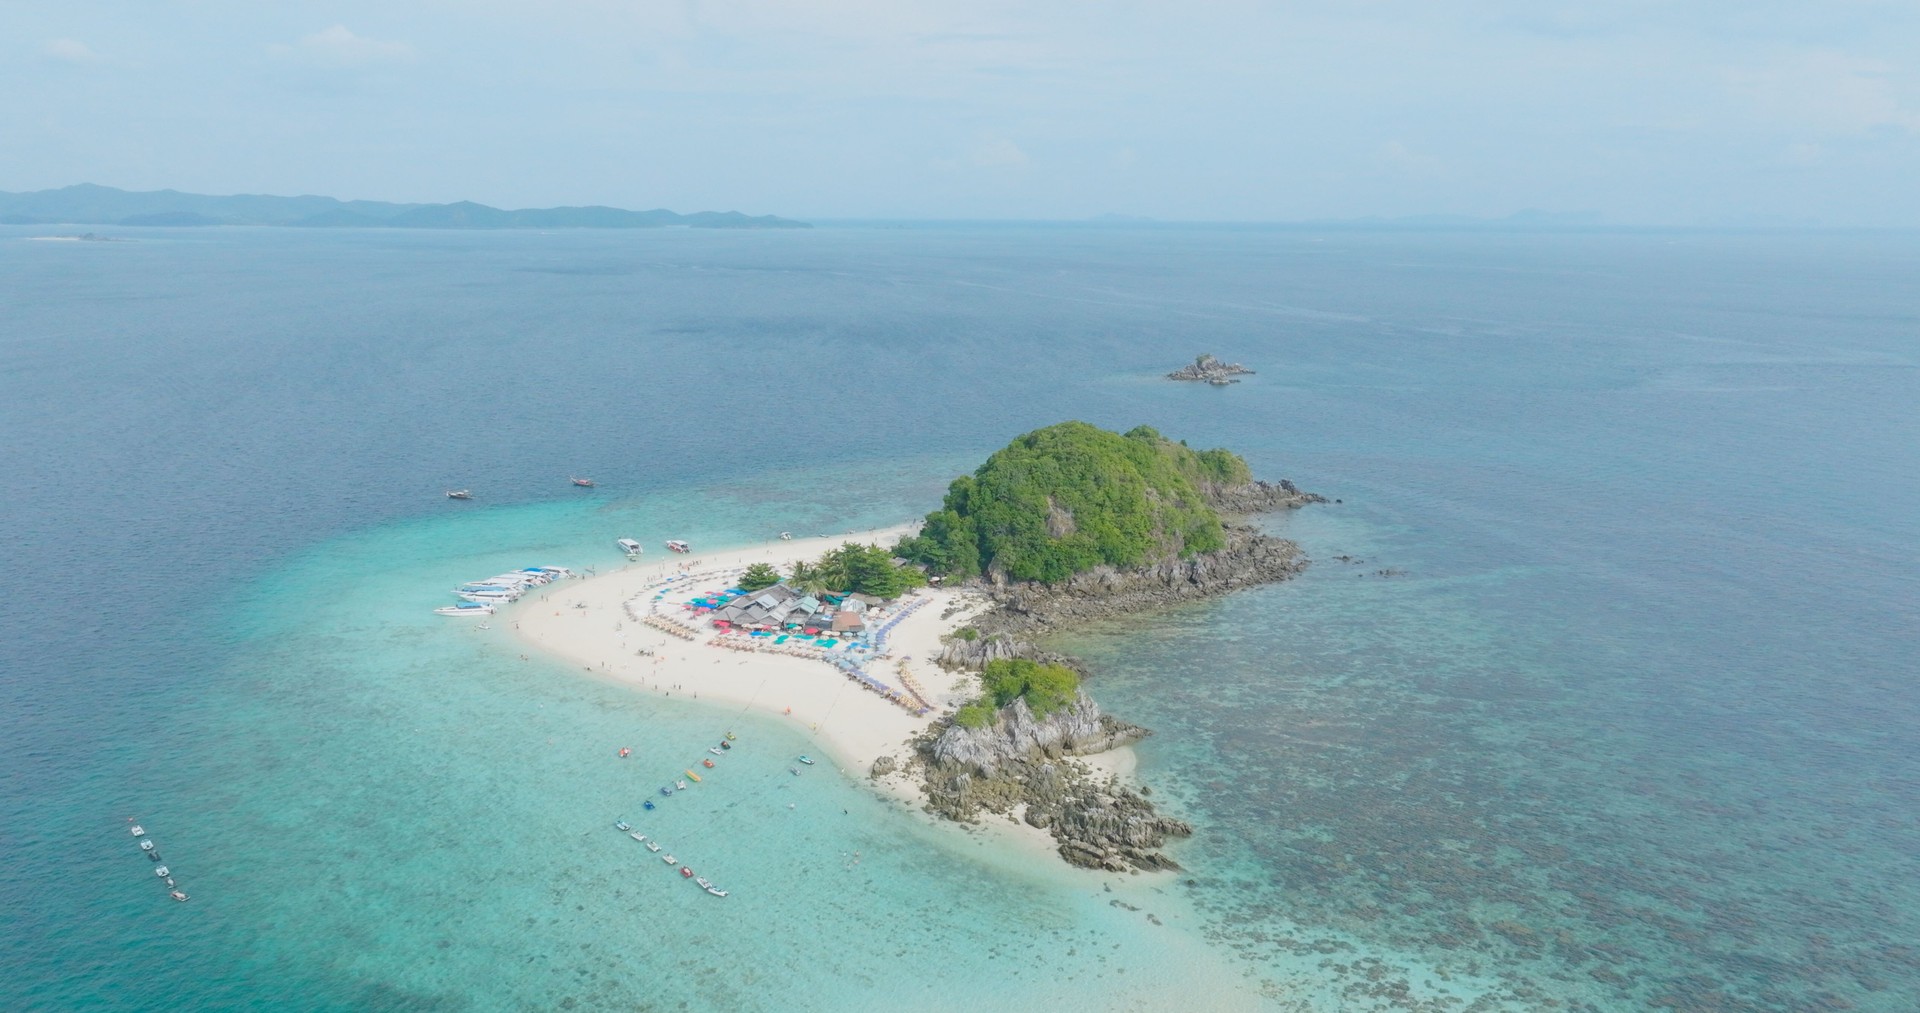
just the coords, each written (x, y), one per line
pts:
(161, 871)
(629, 546)
(621, 825)
(669, 859)
(146, 845)
(502, 590)
(472, 608)
(715, 750)
(651, 846)
(138, 830)
(638, 836)
(496, 585)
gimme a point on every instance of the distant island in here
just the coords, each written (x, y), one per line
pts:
(1207, 369)
(88, 204)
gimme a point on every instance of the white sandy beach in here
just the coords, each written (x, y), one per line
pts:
(592, 623)
(595, 623)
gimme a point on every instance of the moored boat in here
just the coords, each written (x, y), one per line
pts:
(648, 804)
(676, 545)
(638, 836)
(682, 785)
(808, 760)
(666, 789)
(707, 764)
(669, 859)
(629, 546)
(472, 608)
(488, 593)
(137, 830)
(459, 494)
(686, 873)
(716, 891)
(161, 871)
(621, 825)
(715, 750)
(691, 774)
(651, 846)
(147, 845)
(178, 895)
(584, 483)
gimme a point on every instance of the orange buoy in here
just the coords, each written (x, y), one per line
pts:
(624, 751)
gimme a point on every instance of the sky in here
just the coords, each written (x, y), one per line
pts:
(1660, 112)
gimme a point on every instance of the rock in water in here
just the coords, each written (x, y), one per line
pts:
(1207, 369)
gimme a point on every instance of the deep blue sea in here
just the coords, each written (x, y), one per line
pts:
(1599, 694)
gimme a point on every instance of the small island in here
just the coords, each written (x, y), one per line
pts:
(1067, 524)
(1207, 369)
(913, 655)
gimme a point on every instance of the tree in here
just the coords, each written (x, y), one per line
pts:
(1046, 688)
(1070, 497)
(866, 569)
(758, 575)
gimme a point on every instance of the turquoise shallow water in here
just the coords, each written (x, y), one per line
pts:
(1624, 726)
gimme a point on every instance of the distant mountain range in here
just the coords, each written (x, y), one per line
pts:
(87, 204)
(1530, 218)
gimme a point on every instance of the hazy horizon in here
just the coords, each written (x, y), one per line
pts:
(1636, 112)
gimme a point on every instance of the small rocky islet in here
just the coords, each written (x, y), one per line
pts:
(1040, 531)
(1209, 370)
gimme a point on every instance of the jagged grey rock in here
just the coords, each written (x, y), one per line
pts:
(1208, 369)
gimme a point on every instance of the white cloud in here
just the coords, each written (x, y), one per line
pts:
(1406, 159)
(70, 50)
(1829, 92)
(339, 47)
(997, 153)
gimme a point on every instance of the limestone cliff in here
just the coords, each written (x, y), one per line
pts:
(1020, 764)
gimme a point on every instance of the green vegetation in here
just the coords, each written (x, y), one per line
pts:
(1070, 497)
(966, 633)
(758, 575)
(863, 569)
(1046, 688)
(978, 714)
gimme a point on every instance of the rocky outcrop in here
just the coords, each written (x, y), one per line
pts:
(1027, 609)
(1019, 765)
(1075, 730)
(1259, 497)
(973, 655)
(1207, 369)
